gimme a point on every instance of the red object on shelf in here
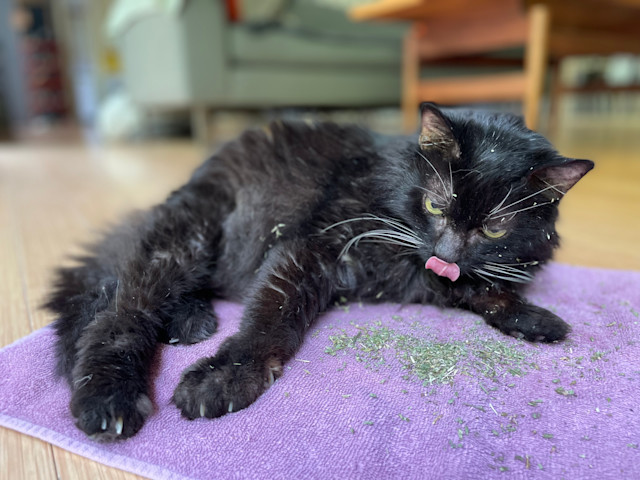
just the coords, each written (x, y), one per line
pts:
(43, 77)
(233, 10)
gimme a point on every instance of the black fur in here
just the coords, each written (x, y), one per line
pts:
(272, 220)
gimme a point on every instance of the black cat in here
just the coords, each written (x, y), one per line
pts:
(289, 219)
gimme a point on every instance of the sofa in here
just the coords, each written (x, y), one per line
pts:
(202, 55)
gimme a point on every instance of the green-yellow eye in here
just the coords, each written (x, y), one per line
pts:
(493, 233)
(431, 209)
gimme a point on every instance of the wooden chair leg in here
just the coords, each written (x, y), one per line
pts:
(410, 79)
(536, 56)
(555, 97)
(200, 124)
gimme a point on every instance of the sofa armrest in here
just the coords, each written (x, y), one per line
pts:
(176, 60)
(206, 49)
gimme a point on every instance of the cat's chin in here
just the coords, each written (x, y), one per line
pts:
(443, 269)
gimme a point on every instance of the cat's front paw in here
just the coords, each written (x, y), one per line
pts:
(108, 411)
(225, 383)
(531, 323)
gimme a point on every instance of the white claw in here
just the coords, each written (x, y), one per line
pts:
(104, 424)
(174, 340)
(272, 379)
(119, 425)
(202, 409)
(230, 407)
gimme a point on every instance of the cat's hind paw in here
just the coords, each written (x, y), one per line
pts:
(226, 383)
(191, 322)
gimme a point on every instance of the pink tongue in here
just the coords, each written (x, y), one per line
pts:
(442, 268)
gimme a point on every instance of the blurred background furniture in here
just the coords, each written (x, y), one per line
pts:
(32, 79)
(473, 30)
(201, 55)
(243, 62)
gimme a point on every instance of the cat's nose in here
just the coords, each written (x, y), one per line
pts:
(449, 246)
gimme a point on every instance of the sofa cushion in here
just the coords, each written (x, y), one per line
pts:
(260, 11)
(273, 44)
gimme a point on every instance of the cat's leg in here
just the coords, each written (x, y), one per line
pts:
(164, 261)
(110, 379)
(293, 287)
(511, 314)
(81, 292)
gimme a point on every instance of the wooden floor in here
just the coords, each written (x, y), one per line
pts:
(54, 195)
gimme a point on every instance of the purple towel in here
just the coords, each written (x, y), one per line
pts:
(390, 392)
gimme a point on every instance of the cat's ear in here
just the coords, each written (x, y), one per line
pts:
(435, 130)
(564, 175)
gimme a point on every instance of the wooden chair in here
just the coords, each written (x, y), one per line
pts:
(466, 31)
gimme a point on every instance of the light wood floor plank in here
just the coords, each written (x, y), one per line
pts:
(52, 199)
(75, 467)
(600, 217)
(20, 456)
(23, 457)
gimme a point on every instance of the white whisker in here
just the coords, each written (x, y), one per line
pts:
(497, 208)
(469, 172)
(342, 222)
(554, 187)
(522, 264)
(116, 296)
(378, 239)
(397, 225)
(482, 276)
(434, 195)
(394, 236)
(404, 253)
(502, 275)
(388, 221)
(391, 237)
(500, 208)
(398, 234)
(510, 273)
(529, 208)
(451, 181)
(444, 185)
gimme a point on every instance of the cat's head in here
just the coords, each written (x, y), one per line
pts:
(481, 191)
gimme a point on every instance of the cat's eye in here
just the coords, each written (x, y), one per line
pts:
(493, 233)
(431, 208)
